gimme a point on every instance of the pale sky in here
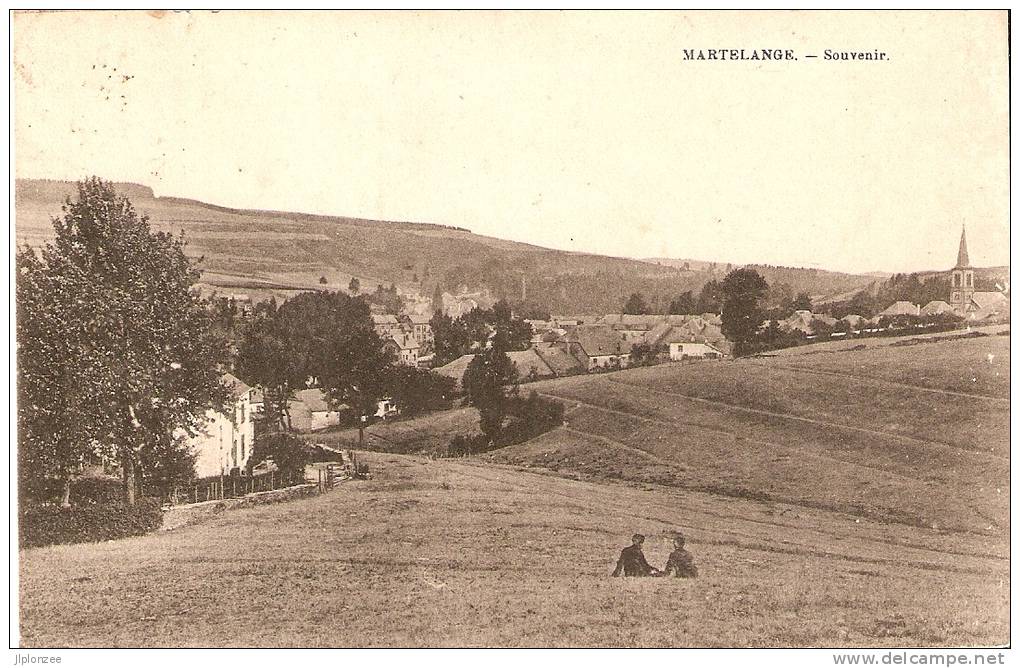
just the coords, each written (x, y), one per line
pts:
(579, 131)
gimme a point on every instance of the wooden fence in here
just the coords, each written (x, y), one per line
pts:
(229, 487)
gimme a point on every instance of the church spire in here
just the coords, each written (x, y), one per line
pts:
(961, 259)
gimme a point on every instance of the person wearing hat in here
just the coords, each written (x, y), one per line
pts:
(680, 562)
(632, 561)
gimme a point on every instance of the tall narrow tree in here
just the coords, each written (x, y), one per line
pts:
(116, 353)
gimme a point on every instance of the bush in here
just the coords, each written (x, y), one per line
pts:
(87, 490)
(417, 390)
(287, 451)
(103, 491)
(527, 418)
(52, 525)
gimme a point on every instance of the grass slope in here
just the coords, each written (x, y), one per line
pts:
(849, 432)
(462, 553)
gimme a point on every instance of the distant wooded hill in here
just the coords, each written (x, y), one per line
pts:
(262, 252)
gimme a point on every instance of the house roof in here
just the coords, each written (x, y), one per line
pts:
(902, 308)
(990, 300)
(935, 307)
(558, 360)
(236, 387)
(456, 368)
(384, 319)
(553, 335)
(598, 340)
(403, 341)
(804, 321)
(314, 398)
(524, 360)
(419, 319)
(581, 319)
(528, 361)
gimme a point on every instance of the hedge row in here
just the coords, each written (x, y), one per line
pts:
(52, 525)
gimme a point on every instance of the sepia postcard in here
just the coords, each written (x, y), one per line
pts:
(511, 329)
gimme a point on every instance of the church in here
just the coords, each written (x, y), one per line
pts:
(967, 302)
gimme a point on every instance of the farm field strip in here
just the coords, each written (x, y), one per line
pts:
(969, 478)
(741, 429)
(801, 450)
(877, 380)
(809, 420)
(977, 365)
(705, 480)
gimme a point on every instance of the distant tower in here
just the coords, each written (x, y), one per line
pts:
(962, 286)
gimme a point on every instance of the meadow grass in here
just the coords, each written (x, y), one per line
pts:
(463, 553)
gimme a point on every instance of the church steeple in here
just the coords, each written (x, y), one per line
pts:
(961, 258)
(962, 279)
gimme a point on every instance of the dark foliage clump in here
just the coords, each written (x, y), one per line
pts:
(52, 525)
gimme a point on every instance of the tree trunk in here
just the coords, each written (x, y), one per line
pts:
(285, 407)
(65, 501)
(127, 458)
(128, 464)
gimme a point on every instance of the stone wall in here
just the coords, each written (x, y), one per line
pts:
(179, 516)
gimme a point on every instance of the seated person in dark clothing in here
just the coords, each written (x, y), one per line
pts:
(632, 561)
(681, 563)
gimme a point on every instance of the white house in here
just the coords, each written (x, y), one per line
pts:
(404, 348)
(225, 442)
(310, 409)
(689, 350)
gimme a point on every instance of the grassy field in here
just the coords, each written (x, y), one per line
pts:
(464, 553)
(816, 430)
(428, 434)
(887, 432)
(831, 498)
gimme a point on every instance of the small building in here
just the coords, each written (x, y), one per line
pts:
(693, 350)
(901, 308)
(225, 441)
(403, 347)
(597, 347)
(386, 324)
(559, 361)
(310, 410)
(805, 322)
(988, 306)
(936, 307)
(386, 408)
(530, 366)
(420, 326)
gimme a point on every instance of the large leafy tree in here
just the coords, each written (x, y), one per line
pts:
(744, 291)
(450, 337)
(326, 337)
(116, 352)
(473, 331)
